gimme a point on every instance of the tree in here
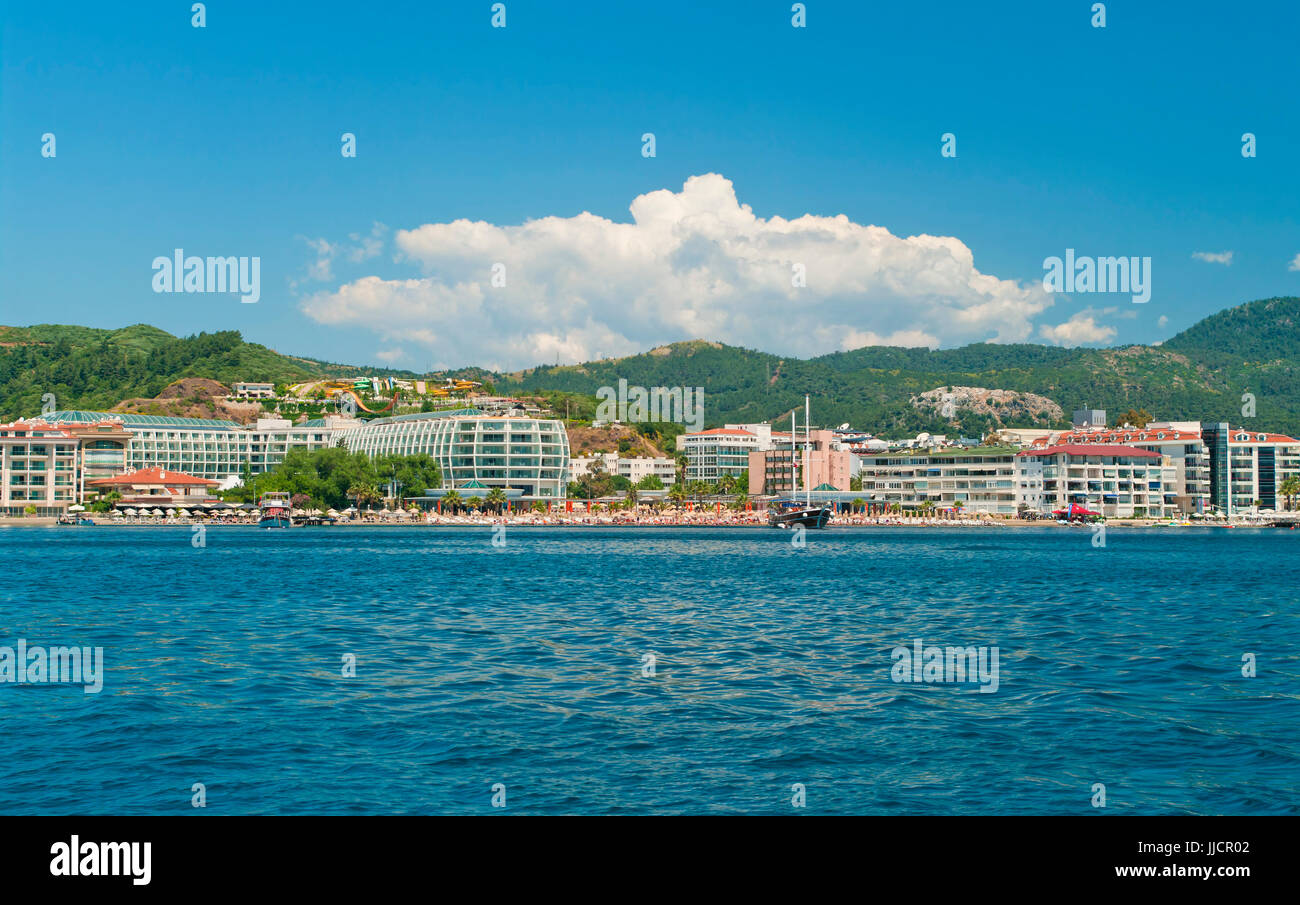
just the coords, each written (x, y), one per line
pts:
(105, 502)
(858, 504)
(495, 499)
(451, 500)
(677, 493)
(650, 482)
(1136, 417)
(1290, 489)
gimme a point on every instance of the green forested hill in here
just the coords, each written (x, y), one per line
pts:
(95, 369)
(88, 368)
(1200, 374)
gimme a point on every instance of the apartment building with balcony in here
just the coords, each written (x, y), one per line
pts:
(1180, 442)
(1247, 467)
(46, 465)
(634, 468)
(721, 451)
(1116, 481)
(817, 460)
(981, 479)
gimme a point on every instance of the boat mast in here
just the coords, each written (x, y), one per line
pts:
(794, 446)
(807, 455)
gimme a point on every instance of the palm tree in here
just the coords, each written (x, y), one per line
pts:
(354, 493)
(858, 504)
(677, 493)
(495, 499)
(370, 495)
(727, 484)
(1290, 489)
(451, 500)
(698, 490)
(681, 467)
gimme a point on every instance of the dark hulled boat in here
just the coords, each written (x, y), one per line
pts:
(788, 513)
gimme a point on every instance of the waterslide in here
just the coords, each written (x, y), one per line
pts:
(361, 405)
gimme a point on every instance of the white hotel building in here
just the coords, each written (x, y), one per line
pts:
(722, 451)
(529, 455)
(204, 447)
(634, 468)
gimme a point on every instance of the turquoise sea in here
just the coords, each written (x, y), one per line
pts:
(527, 667)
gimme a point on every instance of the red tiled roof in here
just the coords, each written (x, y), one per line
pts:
(155, 476)
(1119, 436)
(35, 425)
(1255, 435)
(723, 430)
(1091, 449)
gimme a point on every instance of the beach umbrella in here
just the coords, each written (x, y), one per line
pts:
(332, 513)
(130, 511)
(116, 513)
(156, 512)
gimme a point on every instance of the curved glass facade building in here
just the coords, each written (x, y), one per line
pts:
(528, 454)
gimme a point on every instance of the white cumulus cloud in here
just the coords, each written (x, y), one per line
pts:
(1080, 329)
(1214, 257)
(691, 264)
(1295, 263)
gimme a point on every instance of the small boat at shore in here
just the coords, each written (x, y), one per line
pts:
(276, 510)
(793, 513)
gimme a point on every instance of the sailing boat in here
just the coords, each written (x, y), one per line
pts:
(790, 512)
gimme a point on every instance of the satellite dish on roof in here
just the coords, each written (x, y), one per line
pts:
(844, 426)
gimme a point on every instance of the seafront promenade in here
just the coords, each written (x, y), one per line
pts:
(661, 520)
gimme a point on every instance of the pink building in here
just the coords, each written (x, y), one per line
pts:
(769, 470)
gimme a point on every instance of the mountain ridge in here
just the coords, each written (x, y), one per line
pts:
(1202, 373)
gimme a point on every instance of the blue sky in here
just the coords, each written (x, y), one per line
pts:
(225, 140)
